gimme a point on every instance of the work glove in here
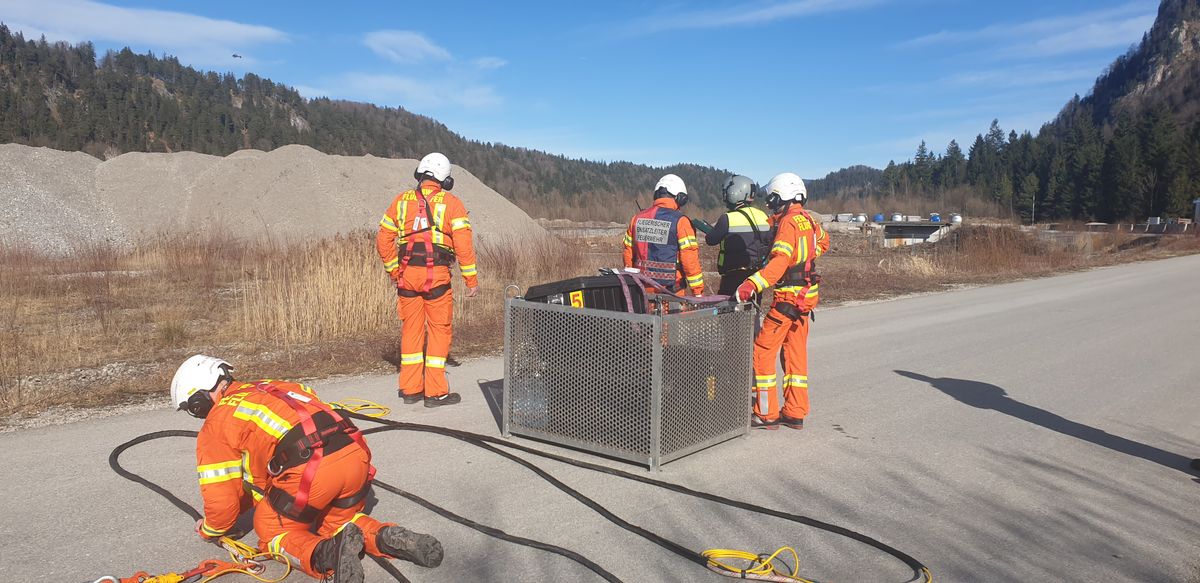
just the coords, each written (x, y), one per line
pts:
(745, 291)
(702, 225)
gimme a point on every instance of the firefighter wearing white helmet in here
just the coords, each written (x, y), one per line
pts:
(661, 241)
(423, 233)
(791, 268)
(743, 234)
(303, 467)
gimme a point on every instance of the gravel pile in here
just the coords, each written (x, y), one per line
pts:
(56, 201)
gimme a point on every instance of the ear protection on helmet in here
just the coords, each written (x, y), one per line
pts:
(447, 184)
(680, 199)
(776, 203)
(199, 404)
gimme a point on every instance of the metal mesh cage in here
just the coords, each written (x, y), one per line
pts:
(645, 388)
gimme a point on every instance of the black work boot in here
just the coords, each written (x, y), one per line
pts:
(447, 399)
(342, 554)
(412, 399)
(406, 545)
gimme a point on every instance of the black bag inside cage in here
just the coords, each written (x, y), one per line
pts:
(618, 293)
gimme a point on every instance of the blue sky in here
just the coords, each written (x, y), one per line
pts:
(754, 86)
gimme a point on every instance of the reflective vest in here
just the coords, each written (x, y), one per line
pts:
(656, 244)
(745, 247)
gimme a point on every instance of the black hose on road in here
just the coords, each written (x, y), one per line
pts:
(920, 572)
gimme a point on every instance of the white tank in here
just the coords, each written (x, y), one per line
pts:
(955, 218)
(897, 218)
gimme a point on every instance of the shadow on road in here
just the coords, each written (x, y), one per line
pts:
(493, 393)
(989, 396)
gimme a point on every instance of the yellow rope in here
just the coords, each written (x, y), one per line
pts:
(758, 566)
(240, 552)
(362, 407)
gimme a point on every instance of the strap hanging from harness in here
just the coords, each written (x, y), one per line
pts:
(296, 507)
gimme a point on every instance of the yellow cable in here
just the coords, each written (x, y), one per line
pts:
(758, 566)
(361, 405)
(240, 552)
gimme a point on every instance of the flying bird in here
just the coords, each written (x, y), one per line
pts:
(236, 56)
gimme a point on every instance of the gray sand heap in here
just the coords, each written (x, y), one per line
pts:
(58, 201)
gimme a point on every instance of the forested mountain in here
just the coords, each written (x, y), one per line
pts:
(61, 96)
(1130, 149)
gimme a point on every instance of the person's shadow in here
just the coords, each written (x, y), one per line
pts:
(988, 396)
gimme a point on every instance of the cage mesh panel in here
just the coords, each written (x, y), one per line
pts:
(582, 377)
(586, 377)
(706, 389)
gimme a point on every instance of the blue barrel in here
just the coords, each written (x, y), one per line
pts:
(935, 218)
(878, 218)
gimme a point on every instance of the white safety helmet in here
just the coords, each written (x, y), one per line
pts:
(197, 374)
(671, 185)
(784, 189)
(437, 167)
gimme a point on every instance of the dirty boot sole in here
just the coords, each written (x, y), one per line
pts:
(406, 545)
(349, 559)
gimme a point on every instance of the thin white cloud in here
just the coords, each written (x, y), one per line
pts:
(488, 63)
(198, 39)
(414, 93)
(1019, 77)
(745, 14)
(1098, 29)
(404, 46)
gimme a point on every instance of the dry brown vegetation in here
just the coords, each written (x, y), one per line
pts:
(103, 324)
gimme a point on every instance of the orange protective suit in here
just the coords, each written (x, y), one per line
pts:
(675, 249)
(237, 440)
(799, 240)
(423, 232)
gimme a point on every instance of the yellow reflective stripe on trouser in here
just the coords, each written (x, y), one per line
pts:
(764, 380)
(264, 418)
(276, 546)
(209, 531)
(219, 472)
(795, 380)
(760, 282)
(695, 280)
(467, 270)
(435, 361)
(411, 358)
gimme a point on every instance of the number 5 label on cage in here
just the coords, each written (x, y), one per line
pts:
(577, 299)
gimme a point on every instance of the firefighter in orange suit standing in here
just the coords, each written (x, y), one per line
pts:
(791, 268)
(661, 242)
(304, 468)
(423, 233)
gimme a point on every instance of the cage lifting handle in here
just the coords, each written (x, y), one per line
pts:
(516, 291)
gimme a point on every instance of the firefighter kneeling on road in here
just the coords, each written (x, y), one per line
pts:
(791, 268)
(303, 467)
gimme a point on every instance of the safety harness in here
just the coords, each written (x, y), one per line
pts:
(431, 254)
(801, 274)
(316, 436)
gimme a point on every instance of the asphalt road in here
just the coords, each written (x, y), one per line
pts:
(1032, 431)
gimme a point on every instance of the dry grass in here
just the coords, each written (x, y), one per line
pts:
(104, 323)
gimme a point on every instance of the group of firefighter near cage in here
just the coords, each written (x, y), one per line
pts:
(305, 468)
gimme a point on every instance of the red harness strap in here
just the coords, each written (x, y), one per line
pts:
(422, 216)
(310, 431)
